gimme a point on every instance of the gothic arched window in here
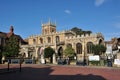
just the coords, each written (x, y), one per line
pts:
(41, 40)
(79, 48)
(34, 41)
(49, 40)
(57, 39)
(89, 47)
(100, 41)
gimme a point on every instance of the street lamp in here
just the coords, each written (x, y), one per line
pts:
(84, 60)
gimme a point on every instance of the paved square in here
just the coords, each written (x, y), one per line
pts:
(60, 72)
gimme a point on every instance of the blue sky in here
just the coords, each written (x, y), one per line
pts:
(95, 15)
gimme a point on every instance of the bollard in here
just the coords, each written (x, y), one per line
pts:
(8, 64)
(20, 65)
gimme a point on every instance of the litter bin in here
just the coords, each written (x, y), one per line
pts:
(60, 62)
(109, 63)
(80, 63)
(67, 61)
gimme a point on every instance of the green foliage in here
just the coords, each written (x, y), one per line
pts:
(11, 48)
(0, 49)
(69, 52)
(96, 63)
(48, 52)
(88, 32)
(98, 49)
(80, 31)
(76, 30)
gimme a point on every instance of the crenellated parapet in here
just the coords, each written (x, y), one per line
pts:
(96, 35)
(34, 36)
(49, 24)
(56, 33)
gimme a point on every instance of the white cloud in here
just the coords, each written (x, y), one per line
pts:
(67, 11)
(99, 2)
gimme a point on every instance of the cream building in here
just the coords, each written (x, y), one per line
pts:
(59, 40)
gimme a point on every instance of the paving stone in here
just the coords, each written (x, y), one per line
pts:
(61, 72)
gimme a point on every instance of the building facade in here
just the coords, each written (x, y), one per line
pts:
(59, 41)
(113, 48)
(4, 38)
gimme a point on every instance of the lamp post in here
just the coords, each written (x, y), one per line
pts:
(8, 64)
(20, 63)
(84, 60)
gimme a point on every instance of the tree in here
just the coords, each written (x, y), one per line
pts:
(48, 53)
(98, 49)
(80, 31)
(11, 48)
(76, 30)
(89, 32)
(69, 52)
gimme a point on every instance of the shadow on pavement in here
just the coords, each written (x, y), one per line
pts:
(44, 73)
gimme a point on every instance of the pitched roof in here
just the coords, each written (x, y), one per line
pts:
(7, 35)
(3, 34)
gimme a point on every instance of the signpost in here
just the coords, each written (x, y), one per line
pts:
(117, 62)
(11, 60)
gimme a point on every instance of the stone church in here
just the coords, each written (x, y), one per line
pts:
(82, 44)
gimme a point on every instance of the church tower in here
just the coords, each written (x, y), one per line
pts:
(48, 28)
